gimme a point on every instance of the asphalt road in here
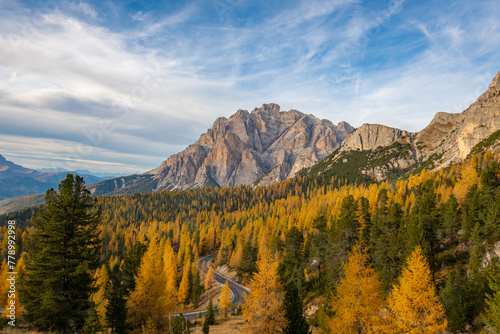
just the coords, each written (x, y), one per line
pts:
(237, 292)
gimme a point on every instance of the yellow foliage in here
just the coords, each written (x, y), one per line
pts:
(263, 312)
(225, 298)
(182, 294)
(147, 300)
(209, 278)
(414, 304)
(358, 303)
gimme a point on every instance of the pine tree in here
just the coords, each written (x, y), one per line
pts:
(131, 265)
(209, 319)
(263, 311)
(491, 315)
(61, 255)
(297, 323)
(413, 302)
(358, 302)
(225, 299)
(453, 299)
(116, 311)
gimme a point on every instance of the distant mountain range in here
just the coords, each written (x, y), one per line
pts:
(16, 180)
(267, 145)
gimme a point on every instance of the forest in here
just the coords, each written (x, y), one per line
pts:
(415, 255)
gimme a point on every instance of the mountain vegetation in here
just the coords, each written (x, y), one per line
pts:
(393, 232)
(298, 232)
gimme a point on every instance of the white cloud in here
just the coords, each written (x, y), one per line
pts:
(61, 75)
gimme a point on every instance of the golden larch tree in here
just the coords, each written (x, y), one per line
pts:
(358, 303)
(263, 312)
(102, 283)
(183, 291)
(170, 272)
(13, 297)
(146, 302)
(225, 298)
(209, 278)
(414, 303)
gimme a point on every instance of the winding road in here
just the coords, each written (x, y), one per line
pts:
(237, 292)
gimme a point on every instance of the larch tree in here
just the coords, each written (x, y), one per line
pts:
(414, 303)
(146, 301)
(358, 303)
(62, 253)
(225, 298)
(209, 278)
(170, 271)
(99, 298)
(183, 292)
(263, 312)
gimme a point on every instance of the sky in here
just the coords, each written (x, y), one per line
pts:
(119, 86)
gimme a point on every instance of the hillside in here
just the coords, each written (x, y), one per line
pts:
(377, 152)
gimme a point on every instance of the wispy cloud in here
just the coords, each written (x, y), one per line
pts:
(138, 92)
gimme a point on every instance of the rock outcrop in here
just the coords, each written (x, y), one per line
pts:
(447, 139)
(259, 147)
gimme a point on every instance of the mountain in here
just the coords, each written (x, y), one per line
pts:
(16, 180)
(378, 152)
(261, 147)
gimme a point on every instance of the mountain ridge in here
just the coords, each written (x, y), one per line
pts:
(447, 139)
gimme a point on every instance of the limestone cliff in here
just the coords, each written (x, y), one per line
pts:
(259, 147)
(447, 139)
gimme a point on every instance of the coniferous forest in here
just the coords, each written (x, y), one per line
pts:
(416, 255)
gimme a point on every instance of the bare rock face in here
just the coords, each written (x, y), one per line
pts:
(372, 136)
(447, 139)
(261, 147)
(454, 135)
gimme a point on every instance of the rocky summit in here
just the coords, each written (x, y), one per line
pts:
(259, 147)
(449, 138)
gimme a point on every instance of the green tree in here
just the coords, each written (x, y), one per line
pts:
(453, 299)
(209, 319)
(116, 312)
(180, 326)
(63, 252)
(297, 323)
(491, 316)
(290, 268)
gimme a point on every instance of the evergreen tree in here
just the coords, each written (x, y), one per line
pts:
(297, 323)
(453, 299)
(491, 316)
(63, 252)
(116, 312)
(290, 268)
(180, 326)
(209, 319)
(414, 304)
(130, 267)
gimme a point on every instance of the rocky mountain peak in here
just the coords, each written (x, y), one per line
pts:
(495, 84)
(264, 146)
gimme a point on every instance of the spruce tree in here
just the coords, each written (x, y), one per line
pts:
(63, 251)
(297, 323)
(491, 315)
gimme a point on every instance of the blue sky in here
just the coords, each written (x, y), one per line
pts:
(120, 86)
